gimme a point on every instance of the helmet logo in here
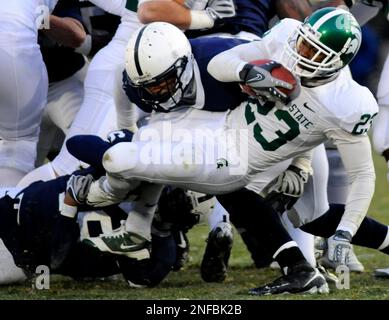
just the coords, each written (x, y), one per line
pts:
(221, 163)
(353, 47)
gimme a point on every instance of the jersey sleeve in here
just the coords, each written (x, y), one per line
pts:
(227, 65)
(355, 152)
(359, 121)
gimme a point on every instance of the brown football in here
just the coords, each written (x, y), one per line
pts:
(280, 73)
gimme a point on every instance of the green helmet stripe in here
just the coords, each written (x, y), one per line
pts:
(325, 18)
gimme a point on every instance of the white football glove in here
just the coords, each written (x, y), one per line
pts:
(78, 187)
(284, 191)
(220, 9)
(339, 247)
(291, 182)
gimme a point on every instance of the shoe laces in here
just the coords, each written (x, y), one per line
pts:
(117, 233)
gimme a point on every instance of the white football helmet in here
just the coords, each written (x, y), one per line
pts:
(159, 63)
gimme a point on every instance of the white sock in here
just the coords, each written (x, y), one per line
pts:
(141, 216)
(218, 214)
(304, 240)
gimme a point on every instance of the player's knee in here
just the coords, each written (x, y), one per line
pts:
(120, 157)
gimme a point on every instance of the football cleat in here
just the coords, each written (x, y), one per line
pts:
(217, 253)
(122, 242)
(300, 279)
(383, 273)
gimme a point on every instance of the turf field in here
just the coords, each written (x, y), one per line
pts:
(187, 283)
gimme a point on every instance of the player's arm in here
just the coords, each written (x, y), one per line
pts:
(355, 151)
(66, 31)
(296, 9)
(227, 65)
(184, 14)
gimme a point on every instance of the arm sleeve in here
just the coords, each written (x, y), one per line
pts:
(355, 152)
(225, 66)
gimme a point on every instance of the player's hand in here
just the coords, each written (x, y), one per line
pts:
(284, 191)
(259, 78)
(78, 187)
(220, 9)
(339, 247)
(291, 182)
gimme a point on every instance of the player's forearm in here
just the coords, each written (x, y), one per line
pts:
(303, 161)
(380, 132)
(66, 31)
(296, 9)
(358, 162)
(168, 11)
(227, 65)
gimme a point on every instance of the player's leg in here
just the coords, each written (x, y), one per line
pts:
(219, 244)
(23, 91)
(267, 228)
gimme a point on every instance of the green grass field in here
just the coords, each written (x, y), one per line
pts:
(187, 283)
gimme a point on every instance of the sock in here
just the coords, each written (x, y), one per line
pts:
(289, 255)
(305, 241)
(218, 214)
(141, 216)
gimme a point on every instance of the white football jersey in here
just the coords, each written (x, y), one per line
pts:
(341, 111)
(26, 13)
(280, 133)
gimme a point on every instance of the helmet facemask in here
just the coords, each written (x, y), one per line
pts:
(324, 44)
(166, 90)
(322, 61)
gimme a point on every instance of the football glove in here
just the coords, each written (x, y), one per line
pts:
(259, 78)
(284, 191)
(339, 247)
(220, 9)
(78, 187)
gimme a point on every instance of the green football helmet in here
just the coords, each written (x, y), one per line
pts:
(332, 36)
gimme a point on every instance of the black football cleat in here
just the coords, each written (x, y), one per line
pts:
(301, 279)
(217, 253)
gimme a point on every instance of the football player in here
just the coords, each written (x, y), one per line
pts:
(38, 229)
(245, 19)
(319, 65)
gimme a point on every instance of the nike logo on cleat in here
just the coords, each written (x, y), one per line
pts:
(124, 247)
